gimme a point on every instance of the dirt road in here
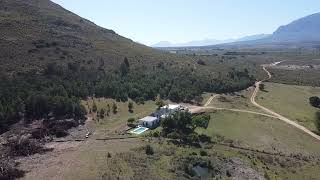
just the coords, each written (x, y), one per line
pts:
(278, 116)
(269, 113)
(210, 100)
(206, 107)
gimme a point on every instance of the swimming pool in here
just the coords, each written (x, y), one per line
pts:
(139, 130)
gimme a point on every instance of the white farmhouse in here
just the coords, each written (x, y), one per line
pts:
(149, 121)
(154, 119)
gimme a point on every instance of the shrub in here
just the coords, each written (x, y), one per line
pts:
(314, 101)
(149, 150)
(156, 134)
(317, 120)
(8, 170)
(140, 100)
(193, 154)
(204, 138)
(114, 108)
(131, 120)
(203, 153)
(201, 62)
(23, 146)
(173, 135)
(130, 106)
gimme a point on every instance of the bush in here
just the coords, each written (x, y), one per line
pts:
(131, 120)
(317, 120)
(204, 138)
(314, 101)
(149, 150)
(203, 153)
(156, 134)
(8, 171)
(23, 146)
(201, 62)
(130, 106)
(173, 135)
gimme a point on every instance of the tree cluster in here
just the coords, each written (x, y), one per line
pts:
(182, 125)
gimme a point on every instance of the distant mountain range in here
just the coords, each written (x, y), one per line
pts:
(207, 42)
(301, 32)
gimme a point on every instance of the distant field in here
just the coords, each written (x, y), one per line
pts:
(261, 133)
(290, 101)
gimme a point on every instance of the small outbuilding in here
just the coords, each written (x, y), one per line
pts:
(149, 121)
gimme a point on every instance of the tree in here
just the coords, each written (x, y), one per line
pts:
(114, 108)
(94, 107)
(130, 106)
(159, 102)
(201, 62)
(317, 120)
(80, 112)
(108, 110)
(20, 108)
(182, 125)
(261, 87)
(314, 101)
(201, 121)
(126, 62)
(38, 106)
(131, 120)
(149, 150)
(124, 67)
(101, 114)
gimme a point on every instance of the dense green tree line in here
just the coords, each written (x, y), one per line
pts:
(58, 90)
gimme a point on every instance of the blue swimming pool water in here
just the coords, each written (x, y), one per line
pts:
(139, 130)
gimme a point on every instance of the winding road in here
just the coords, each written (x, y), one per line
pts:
(269, 113)
(278, 116)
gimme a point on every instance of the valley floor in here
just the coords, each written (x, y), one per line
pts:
(244, 136)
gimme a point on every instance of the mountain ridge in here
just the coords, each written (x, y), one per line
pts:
(207, 42)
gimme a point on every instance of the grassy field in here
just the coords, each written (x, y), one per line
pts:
(114, 122)
(290, 101)
(238, 100)
(266, 135)
(261, 133)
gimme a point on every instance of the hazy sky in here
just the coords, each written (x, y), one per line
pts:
(151, 21)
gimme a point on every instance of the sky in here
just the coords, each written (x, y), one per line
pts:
(177, 21)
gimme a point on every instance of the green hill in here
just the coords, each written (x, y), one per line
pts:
(36, 32)
(51, 58)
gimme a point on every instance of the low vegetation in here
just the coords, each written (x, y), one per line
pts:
(315, 101)
(8, 170)
(317, 121)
